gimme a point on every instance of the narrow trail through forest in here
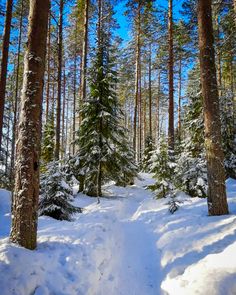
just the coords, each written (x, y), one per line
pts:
(131, 262)
(129, 244)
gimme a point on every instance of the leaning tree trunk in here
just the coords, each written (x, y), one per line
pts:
(5, 51)
(26, 192)
(217, 202)
(171, 79)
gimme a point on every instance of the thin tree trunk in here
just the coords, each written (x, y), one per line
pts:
(14, 132)
(180, 97)
(217, 202)
(100, 48)
(26, 192)
(4, 62)
(48, 66)
(85, 52)
(140, 113)
(150, 88)
(59, 78)
(158, 107)
(63, 143)
(145, 117)
(74, 105)
(137, 75)
(171, 79)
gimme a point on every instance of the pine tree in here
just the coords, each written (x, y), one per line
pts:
(217, 201)
(26, 192)
(4, 62)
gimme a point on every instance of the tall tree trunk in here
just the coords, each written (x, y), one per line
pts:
(137, 76)
(4, 62)
(85, 52)
(59, 78)
(48, 66)
(171, 79)
(140, 113)
(26, 192)
(150, 88)
(158, 107)
(100, 49)
(180, 97)
(218, 55)
(217, 202)
(145, 116)
(74, 104)
(14, 132)
(63, 142)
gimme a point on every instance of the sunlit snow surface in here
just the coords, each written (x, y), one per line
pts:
(129, 244)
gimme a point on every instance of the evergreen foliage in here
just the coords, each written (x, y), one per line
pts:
(163, 166)
(48, 142)
(149, 147)
(56, 194)
(191, 174)
(104, 151)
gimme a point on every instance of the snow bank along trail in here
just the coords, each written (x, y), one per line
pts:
(129, 244)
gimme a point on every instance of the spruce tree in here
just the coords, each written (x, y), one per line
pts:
(149, 147)
(103, 148)
(56, 194)
(48, 142)
(163, 166)
(190, 172)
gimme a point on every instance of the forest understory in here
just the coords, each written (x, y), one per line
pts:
(117, 147)
(128, 244)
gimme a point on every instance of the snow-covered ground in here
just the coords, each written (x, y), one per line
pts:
(129, 244)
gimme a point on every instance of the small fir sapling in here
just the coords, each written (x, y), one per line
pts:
(56, 194)
(149, 147)
(163, 166)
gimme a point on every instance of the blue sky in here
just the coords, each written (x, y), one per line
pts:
(123, 22)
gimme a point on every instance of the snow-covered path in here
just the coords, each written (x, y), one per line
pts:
(129, 244)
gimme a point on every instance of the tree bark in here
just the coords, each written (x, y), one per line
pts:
(158, 108)
(85, 52)
(4, 62)
(150, 88)
(140, 112)
(171, 78)
(63, 142)
(137, 76)
(74, 104)
(59, 78)
(217, 201)
(14, 132)
(48, 66)
(26, 192)
(100, 49)
(180, 98)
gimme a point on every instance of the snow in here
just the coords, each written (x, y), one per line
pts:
(129, 244)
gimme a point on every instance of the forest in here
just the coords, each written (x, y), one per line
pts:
(117, 147)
